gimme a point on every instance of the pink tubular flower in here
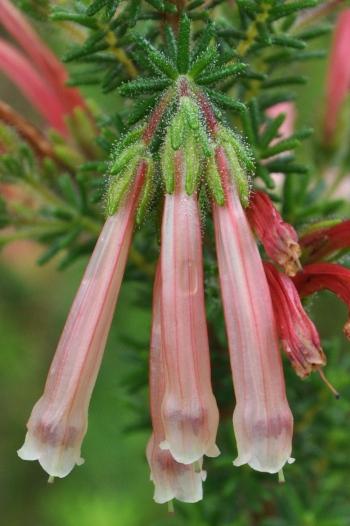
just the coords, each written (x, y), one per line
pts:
(171, 479)
(50, 69)
(262, 420)
(26, 78)
(299, 336)
(189, 411)
(338, 77)
(325, 241)
(58, 421)
(279, 239)
(330, 276)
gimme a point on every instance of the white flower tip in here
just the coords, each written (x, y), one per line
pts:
(213, 451)
(164, 445)
(263, 465)
(55, 459)
(189, 455)
(171, 479)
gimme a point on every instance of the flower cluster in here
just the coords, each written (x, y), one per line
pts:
(264, 270)
(197, 150)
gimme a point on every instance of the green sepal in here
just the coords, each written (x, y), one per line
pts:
(177, 130)
(134, 151)
(119, 186)
(214, 182)
(243, 154)
(193, 164)
(190, 110)
(146, 194)
(238, 173)
(128, 138)
(204, 142)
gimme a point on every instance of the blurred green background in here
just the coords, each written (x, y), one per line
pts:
(112, 488)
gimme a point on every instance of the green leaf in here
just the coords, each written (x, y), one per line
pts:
(183, 46)
(207, 58)
(226, 101)
(281, 146)
(233, 70)
(157, 58)
(271, 130)
(140, 85)
(59, 14)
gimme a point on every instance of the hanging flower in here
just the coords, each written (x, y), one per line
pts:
(58, 421)
(299, 336)
(189, 411)
(171, 479)
(278, 238)
(262, 420)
